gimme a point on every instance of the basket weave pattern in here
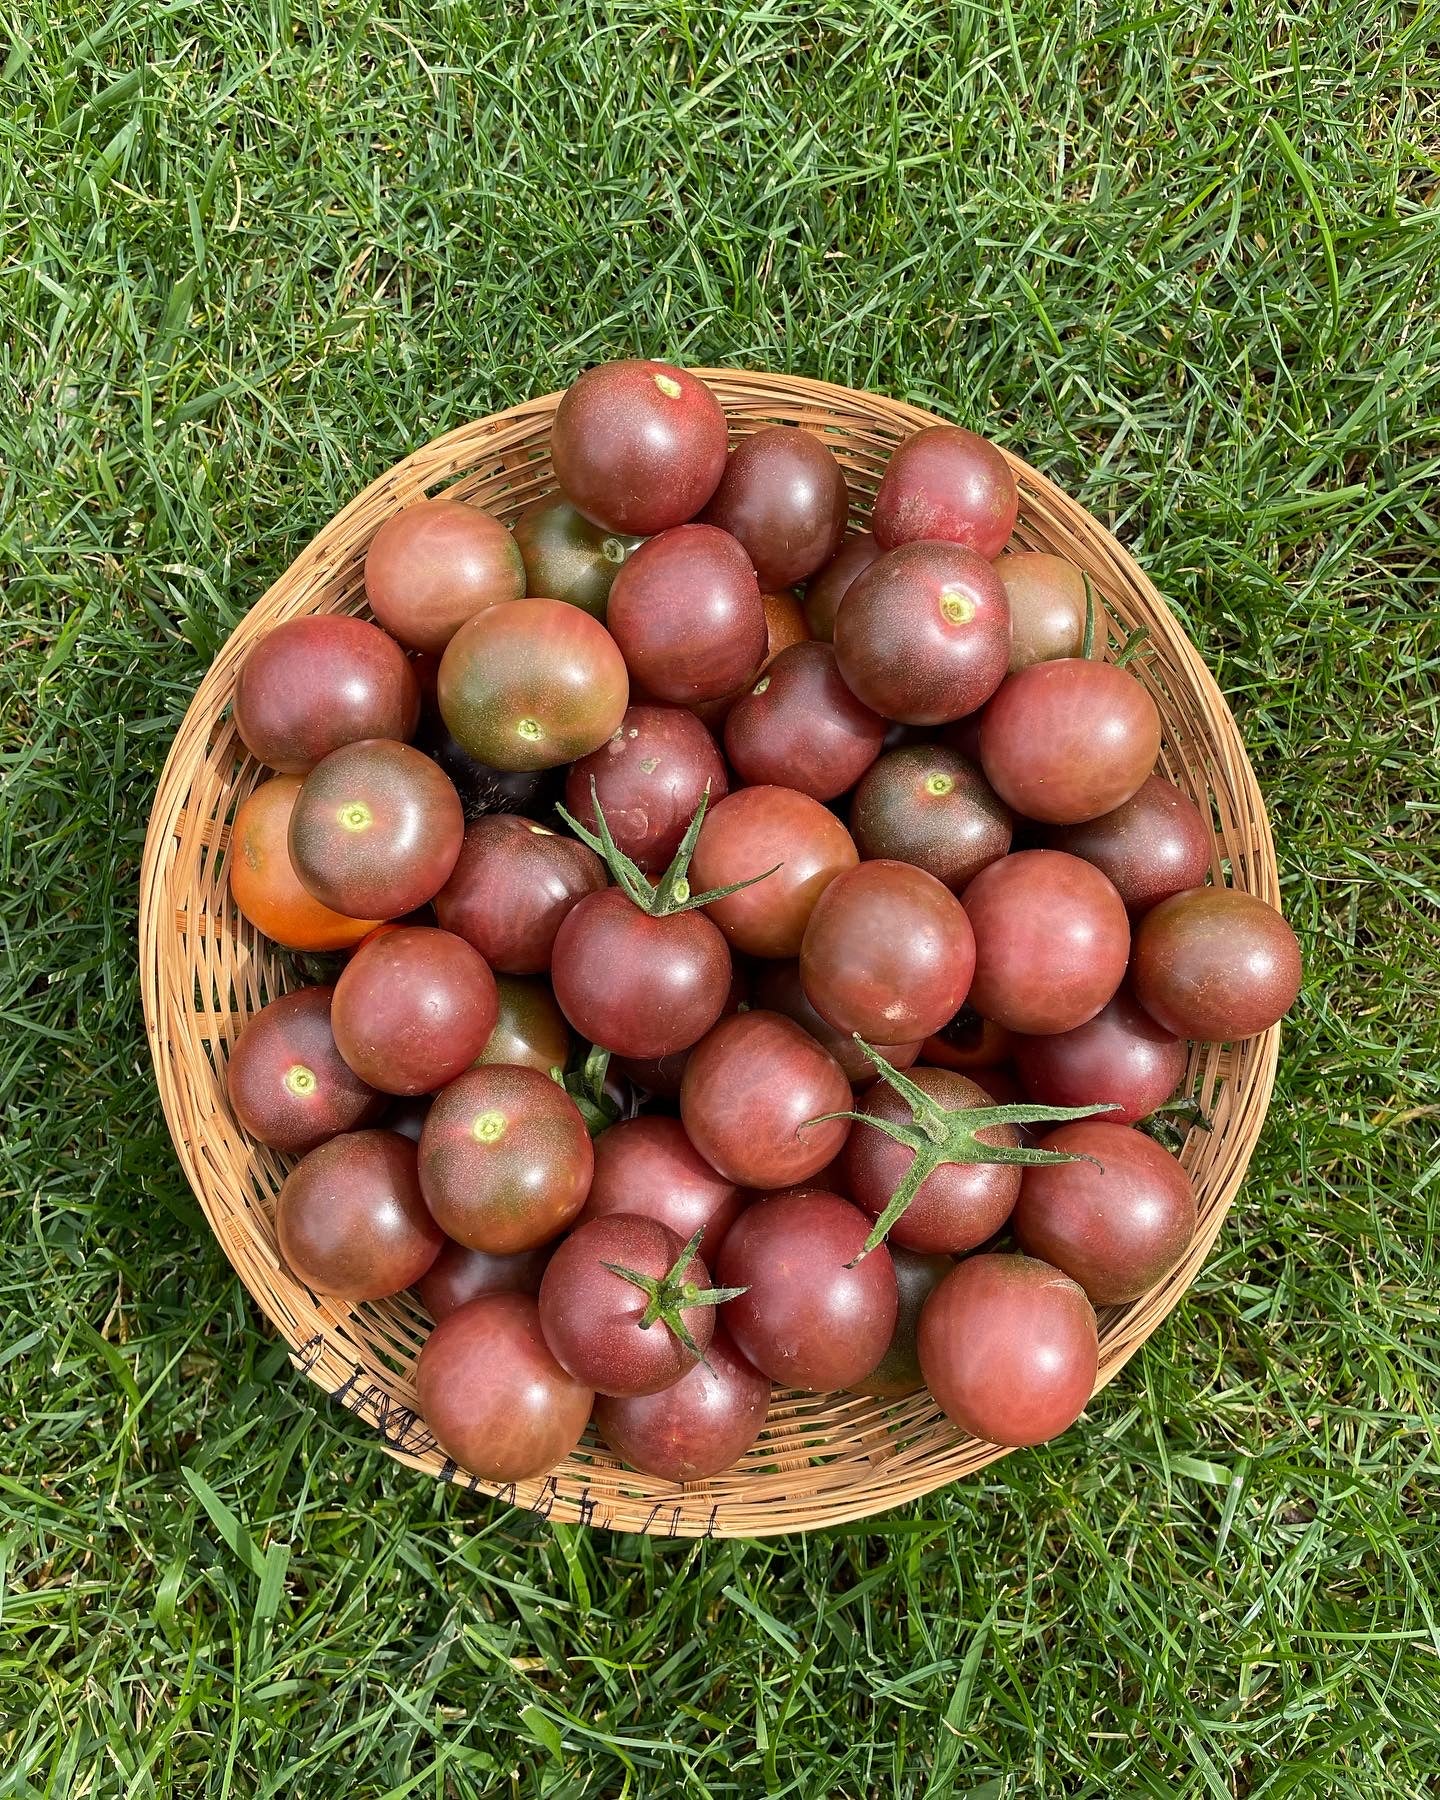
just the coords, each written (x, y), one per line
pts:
(205, 970)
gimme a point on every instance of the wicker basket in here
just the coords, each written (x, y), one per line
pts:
(205, 970)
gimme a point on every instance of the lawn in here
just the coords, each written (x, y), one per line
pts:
(1184, 259)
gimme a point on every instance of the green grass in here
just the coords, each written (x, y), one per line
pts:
(1184, 258)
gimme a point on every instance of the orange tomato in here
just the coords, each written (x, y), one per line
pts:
(263, 881)
(784, 623)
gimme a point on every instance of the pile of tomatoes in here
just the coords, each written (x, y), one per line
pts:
(741, 984)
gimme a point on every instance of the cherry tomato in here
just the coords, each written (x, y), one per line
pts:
(783, 495)
(1009, 1348)
(1051, 940)
(826, 590)
(888, 952)
(505, 1159)
(413, 1009)
(482, 787)
(801, 727)
(784, 624)
(1047, 607)
(697, 1427)
(1120, 1057)
(289, 1086)
(566, 557)
(660, 1076)
(1065, 741)
(926, 805)
(315, 683)
(812, 1316)
(511, 888)
(916, 1279)
(778, 988)
(650, 778)
(947, 483)
(1215, 964)
(350, 1218)
(638, 446)
(923, 635)
(648, 1166)
(687, 614)
(530, 1029)
(532, 684)
(432, 566)
(496, 1399)
(459, 1275)
(969, 1043)
(263, 882)
(749, 1091)
(1153, 845)
(753, 830)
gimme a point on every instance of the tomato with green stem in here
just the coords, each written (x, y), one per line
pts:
(350, 1219)
(947, 483)
(648, 1165)
(649, 778)
(511, 889)
(783, 495)
(314, 683)
(567, 557)
(432, 566)
(289, 1085)
(800, 727)
(775, 828)
(699, 1426)
(413, 1009)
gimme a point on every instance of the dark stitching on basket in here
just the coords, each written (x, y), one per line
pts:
(712, 1521)
(506, 1494)
(585, 1506)
(549, 1493)
(345, 1386)
(306, 1357)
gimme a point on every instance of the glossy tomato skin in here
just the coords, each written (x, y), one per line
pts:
(699, 1426)
(783, 495)
(530, 1030)
(927, 805)
(289, 1085)
(647, 1165)
(888, 952)
(482, 787)
(923, 635)
(567, 558)
(1153, 845)
(432, 566)
(350, 1218)
(532, 684)
(496, 1399)
(799, 726)
(784, 623)
(687, 614)
(916, 1278)
(947, 483)
(968, 1043)
(957, 1208)
(778, 988)
(263, 882)
(413, 1009)
(1215, 964)
(315, 683)
(748, 1092)
(1009, 1348)
(511, 888)
(1066, 741)
(459, 1275)
(1120, 1057)
(660, 1076)
(505, 1159)
(1047, 607)
(591, 1316)
(808, 1319)
(827, 589)
(758, 828)
(650, 776)
(638, 446)
(1051, 941)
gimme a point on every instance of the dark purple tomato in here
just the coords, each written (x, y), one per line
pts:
(289, 1085)
(432, 566)
(888, 952)
(1215, 964)
(755, 829)
(566, 557)
(1009, 1348)
(511, 888)
(636, 985)
(648, 1166)
(687, 614)
(376, 829)
(1121, 1057)
(749, 1091)
(961, 1204)
(1065, 741)
(482, 787)
(1116, 1225)
(263, 882)
(351, 1221)
(638, 446)
(698, 1426)
(923, 635)
(594, 1320)
(496, 1399)
(413, 1009)
(968, 1043)
(505, 1159)
(1153, 845)
(459, 1275)
(808, 1318)
(532, 684)
(783, 495)
(947, 483)
(406, 1115)
(313, 684)
(530, 1029)
(926, 805)
(778, 988)
(1047, 607)
(800, 727)
(1051, 941)
(826, 590)
(650, 777)
(916, 1279)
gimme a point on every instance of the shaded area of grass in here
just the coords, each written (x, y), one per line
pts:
(1186, 262)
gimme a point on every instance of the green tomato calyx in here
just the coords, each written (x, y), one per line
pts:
(939, 783)
(670, 1296)
(301, 1081)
